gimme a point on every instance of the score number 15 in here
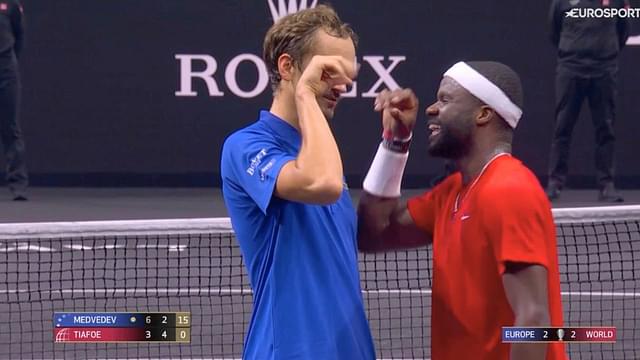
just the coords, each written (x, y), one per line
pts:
(183, 320)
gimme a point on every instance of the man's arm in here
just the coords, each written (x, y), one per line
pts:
(17, 26)
(385, 224)
(555, 22)
(526, 288)
(316, 176)
(623, 27)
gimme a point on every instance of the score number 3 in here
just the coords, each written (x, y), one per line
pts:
(147, 334)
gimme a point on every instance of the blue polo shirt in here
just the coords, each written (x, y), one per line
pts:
(301, 259)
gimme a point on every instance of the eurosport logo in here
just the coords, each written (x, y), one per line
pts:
(600, 13)
(382, 66)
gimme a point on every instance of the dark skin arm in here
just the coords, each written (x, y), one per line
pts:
(526, 288)
(385, 223)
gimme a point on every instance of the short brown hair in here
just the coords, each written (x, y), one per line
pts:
(293, 35)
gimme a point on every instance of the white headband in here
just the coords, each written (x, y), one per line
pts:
(486, 91)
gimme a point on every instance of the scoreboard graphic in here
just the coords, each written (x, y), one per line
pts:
(80, 327)
(599, 334)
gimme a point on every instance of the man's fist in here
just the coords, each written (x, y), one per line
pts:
(324, 73)
(399, 111)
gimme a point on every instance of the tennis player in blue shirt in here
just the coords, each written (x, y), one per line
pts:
(290, 208)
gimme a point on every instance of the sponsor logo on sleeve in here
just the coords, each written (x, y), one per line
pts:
(256, 161)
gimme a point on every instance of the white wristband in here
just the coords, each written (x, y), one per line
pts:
(385, 174)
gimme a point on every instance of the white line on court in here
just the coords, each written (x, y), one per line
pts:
(21, 246)
(598, 293)
(164, 358)
(563, 293)
(171, 247)
(243, 291)
(211, 291)
(77, 247)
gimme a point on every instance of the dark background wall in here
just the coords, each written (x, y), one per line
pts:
(100, 81)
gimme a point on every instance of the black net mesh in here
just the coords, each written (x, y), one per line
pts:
(196, 266)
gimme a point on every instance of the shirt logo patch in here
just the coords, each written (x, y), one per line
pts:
(255, 162)
(263, 171)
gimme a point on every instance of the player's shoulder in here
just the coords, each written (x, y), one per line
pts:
(516, 190)
(238, 146)
(511, 177)
(451, 182)
(246, 138)
(448, 184)
(441, 191)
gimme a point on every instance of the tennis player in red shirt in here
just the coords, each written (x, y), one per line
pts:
(490, 223)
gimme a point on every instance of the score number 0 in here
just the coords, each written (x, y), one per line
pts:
(182, 320)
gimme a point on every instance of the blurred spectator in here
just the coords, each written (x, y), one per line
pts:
(11, 42)
(588, 50)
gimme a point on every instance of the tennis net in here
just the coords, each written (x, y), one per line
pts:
(195, 265)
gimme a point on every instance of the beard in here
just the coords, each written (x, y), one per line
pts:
(327, 110)
(448, 145)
